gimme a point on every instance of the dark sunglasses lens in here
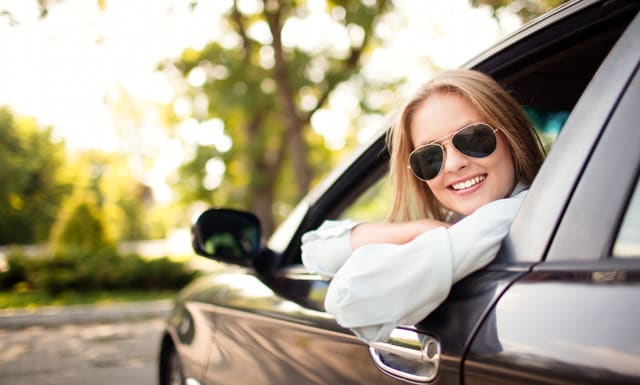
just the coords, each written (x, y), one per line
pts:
(426, 161)
(476, 141)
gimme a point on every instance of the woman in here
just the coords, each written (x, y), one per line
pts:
(462, 147)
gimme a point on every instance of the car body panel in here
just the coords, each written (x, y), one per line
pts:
(455, 321)
(575, 318)
(562, 327)
(251, 329)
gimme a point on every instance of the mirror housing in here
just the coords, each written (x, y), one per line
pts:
(227, 235)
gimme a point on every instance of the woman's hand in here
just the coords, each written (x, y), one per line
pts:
(399, 233)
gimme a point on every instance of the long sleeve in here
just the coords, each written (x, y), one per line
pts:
(381, 286)
(325, 249)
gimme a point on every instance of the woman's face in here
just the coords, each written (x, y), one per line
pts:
(464, 183)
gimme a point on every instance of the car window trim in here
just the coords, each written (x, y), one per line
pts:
(592, 219)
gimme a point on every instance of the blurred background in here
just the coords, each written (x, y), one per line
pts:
(121, 120)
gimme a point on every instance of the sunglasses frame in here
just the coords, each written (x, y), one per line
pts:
(440, 143)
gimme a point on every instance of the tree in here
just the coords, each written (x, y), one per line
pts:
(265, 90)
(32, 180)
(107, 181)
(81, 229)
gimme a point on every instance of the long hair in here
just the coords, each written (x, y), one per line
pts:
(412, 198)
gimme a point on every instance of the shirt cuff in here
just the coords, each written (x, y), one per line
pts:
(326, 249)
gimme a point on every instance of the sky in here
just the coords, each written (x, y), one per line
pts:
(64, 69)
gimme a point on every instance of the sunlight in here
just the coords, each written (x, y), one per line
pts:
(170, 157)
(315, 33)
(62, 69)
(332, 125)
(197, 77)
(260, 32)
(215, 169)
(267, 59)
(249, 7)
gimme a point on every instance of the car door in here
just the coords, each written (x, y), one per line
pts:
(575, 318)
(271, 328)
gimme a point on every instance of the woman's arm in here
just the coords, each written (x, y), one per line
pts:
(326, 249)
(397, 233)
(381, 286)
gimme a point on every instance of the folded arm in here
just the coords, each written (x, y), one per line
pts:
(383, 285)
(326, 249)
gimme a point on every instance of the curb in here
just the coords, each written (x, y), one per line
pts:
(82, 314)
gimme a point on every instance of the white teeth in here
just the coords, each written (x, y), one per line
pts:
(468, 183)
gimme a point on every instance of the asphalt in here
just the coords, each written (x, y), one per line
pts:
(84, 314)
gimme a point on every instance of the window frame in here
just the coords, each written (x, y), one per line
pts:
(593, 217)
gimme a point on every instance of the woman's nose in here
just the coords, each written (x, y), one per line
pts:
(454, 160)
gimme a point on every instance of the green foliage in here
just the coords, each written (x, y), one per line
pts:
(36, 180)
(32, 183)
(16, 271)
(32, 299)
(123, 202)
(103, 270)
(81, 229)
(265, 93)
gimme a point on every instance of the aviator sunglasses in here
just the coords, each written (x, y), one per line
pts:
(477, 140)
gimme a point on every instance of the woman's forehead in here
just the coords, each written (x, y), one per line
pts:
(439, 115)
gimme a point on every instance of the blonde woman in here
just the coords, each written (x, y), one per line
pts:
(462, 147)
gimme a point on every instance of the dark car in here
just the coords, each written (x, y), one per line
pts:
(559, 305)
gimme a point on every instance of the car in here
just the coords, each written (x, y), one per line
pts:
(560, 304)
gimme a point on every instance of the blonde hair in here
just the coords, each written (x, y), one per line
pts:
(412, 198)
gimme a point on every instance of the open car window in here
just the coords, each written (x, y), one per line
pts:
(374, 203)
(547, 81)
(546, 72)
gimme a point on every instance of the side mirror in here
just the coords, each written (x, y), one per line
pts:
(227, 235)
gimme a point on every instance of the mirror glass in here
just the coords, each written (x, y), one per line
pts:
(225, 234)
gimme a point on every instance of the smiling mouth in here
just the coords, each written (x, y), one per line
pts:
(468, 183)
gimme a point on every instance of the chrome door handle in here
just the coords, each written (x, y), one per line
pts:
(408, 356)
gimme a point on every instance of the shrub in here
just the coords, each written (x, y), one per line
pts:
(102, 270)
(81, 229)
(17, 267)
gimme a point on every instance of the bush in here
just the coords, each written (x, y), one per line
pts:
(81, 229)
(17, 267)
(102, 270)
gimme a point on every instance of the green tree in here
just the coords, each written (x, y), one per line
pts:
(81, 229)
(266, 92)
(123, 200)
(32, 179)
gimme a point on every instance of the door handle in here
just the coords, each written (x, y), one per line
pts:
(407, 355)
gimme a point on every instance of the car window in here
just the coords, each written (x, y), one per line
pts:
(547, 123)
(627, 243)
(373, 205)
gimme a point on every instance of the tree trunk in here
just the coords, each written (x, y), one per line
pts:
(293, 123)
(261, 205)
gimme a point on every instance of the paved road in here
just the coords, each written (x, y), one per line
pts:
(98, 353)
